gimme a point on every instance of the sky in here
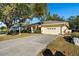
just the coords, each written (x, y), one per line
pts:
(64, 9)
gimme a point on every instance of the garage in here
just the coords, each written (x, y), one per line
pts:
(54, 27)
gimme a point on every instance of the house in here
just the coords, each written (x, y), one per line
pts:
(54, 27)
(28, 24)
(46, 27)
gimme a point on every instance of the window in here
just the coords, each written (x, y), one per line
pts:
(51, 28)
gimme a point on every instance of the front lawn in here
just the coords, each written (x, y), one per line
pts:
(75, 34)
(8, 37)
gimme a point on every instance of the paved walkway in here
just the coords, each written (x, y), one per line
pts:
(29, 46)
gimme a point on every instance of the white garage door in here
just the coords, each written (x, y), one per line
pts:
(50, 30)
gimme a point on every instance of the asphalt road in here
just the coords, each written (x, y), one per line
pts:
(29, 46)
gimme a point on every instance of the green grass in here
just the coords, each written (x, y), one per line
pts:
(75, 34)
(8, 37)
(65, 47)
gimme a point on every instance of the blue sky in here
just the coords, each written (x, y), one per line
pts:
(64, 9)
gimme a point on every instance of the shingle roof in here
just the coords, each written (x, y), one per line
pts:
(53, 22)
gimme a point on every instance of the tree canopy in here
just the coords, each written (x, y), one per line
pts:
(25, 10)
(73, 21)
(54, 17)
(22, 10)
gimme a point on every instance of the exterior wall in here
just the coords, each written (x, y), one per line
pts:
(64, 28)
(54, 30)
(50, 30)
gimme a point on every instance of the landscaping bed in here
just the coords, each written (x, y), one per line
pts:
(65, 47)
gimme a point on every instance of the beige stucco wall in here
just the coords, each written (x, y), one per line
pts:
(54, 31)
(64, 28)
(49, 30)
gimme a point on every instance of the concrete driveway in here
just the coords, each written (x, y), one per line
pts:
(29, 46)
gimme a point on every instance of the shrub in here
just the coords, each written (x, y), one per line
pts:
(3, 30)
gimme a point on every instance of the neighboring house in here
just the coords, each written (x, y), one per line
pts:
(54, 27)
(2, 24)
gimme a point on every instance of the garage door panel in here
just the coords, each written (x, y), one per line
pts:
(51, 30)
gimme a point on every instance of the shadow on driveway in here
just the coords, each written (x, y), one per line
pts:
(48, 52)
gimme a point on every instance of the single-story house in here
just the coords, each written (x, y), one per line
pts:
(54, 27)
